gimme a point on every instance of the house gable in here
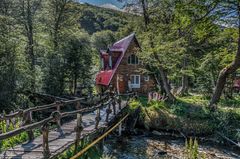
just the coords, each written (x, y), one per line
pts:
(124, 76)
(118, 51)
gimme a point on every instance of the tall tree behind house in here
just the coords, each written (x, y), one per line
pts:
(56, 21)
(26, 17)
(78, 55)
(8, 46)
(144, 10)
(177, 36)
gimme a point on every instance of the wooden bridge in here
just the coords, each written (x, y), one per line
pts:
(82, 121)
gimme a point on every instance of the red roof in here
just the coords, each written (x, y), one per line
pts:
(105, 77)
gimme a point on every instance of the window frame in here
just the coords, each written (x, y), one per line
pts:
(136, 60)
(135, 84)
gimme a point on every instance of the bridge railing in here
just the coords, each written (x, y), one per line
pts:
(25, 116)
(109, 101)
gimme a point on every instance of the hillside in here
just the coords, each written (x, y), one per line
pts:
(95, 18)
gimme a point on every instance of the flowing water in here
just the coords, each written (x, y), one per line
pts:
(157, 147)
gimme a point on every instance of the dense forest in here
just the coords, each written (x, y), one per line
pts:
(51, 47)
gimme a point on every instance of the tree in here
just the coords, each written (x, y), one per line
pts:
(102, 40)
(26, 18)
(149, 28)
(58, 19)
(78, 55)
(229, 12)
(190, 23)
(177, 36)
(8, 46)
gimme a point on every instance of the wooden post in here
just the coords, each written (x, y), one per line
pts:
(57, 118)
(11, 121)
(98, 118)
(78, 106)
(27, 119)
(119, 103)
(58, 106)
(114, 106)
(7, 124)
(45, 131)
(14, 122)
(109, 110)
(6, 121)
(120, 130)
(78, 130)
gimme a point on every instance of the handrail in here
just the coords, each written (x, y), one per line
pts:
(24, 128)
(79, 154)
(49, 119)
(39, 108)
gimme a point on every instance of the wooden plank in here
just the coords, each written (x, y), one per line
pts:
(58, 144)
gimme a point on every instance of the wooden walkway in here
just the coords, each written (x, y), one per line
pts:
(58, 143)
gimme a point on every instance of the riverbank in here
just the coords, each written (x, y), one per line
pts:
(191, 118)
(149, 145)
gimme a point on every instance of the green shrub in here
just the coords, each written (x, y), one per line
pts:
(134, 104)
(191, 149)
(10, 142)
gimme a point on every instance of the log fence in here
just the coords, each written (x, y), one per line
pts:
(28, 125)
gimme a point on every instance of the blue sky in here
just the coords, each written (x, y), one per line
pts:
(101, 2)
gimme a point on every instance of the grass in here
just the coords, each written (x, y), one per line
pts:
(8, 143)
(191, 115)
(15, 140)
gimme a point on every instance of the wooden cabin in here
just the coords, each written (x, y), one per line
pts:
(122, 70)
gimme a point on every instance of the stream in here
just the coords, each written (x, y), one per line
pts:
(152, 146)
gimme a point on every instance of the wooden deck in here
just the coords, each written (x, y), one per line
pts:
(58, 143)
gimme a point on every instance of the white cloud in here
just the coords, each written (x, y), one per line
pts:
(110, 6)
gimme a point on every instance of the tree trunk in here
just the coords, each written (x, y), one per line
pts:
(160, 84)
(164, 77)
(184, 88)
(30, 46)
(166, 84)
(185, 78)
(220, 85)
(225, 73)
(145, 13)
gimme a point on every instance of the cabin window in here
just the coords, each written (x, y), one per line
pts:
(135, 81)
(146, 78)
(133, 59)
